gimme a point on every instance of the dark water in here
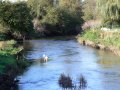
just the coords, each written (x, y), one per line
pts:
(101, 69)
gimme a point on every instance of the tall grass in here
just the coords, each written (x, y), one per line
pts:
(105, 38)
(92, 35)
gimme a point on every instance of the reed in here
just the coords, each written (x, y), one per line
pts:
(66, 83)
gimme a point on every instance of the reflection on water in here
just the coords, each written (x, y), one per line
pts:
(101, 69)
(108, 59)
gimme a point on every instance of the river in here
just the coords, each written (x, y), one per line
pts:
(101, 69)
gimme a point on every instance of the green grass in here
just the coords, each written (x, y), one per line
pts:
(9, 60)
(91, 35)
(7, 57)
(117, 28)
(10, 51)
(94, 35)
(6, 60)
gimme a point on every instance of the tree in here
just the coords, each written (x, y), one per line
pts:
(110, 10)
(39, 7)
(61, 22)
(17, 17)
(70, 4)
(90, 10)
(58, 17)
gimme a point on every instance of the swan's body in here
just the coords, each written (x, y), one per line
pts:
(45, 58)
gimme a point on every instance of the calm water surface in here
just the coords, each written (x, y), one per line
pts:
(101, 69)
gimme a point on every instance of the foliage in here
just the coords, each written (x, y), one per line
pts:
(110, 10)
(90, 11)
(16, 16)
(9, 49)
(10, 60)
(59, 19)
(7, 57)
(2, 37)
(103, 38)
(69, 4)
(4, 61)
(92, 35)
(39, 7)
(61, 22)
(4, 29)
(52, 16)
(15, 20)
(72, 6)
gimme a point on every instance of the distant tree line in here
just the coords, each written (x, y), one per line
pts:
(54, 17)
(106, 10)
(57, 17)
(50, 17)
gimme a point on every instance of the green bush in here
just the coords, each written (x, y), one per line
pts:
(2, 37)
(61, 22)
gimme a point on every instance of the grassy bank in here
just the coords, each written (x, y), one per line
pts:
(7, 61)
(107, 40)
(8, 57)
(12, 63)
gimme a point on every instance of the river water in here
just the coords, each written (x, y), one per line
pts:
(101, 69)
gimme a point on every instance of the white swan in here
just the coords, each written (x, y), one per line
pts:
(45, 57)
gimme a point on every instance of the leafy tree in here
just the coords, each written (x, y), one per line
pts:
(90, 10)
(39, 7)
(61, 22)
(17, 17)
(110, 10)
(71, 5)
(58, 17)
(33, 4)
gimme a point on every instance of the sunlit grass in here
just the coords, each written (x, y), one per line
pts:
(7, 56)
(10, 51)
(7, 48)
(107, 39)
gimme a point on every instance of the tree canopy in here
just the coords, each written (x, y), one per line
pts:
(16, 17)
(39, 7)
(110, 11)
(58, 17)
(90, 11)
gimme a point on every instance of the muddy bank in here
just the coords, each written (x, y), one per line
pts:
(98, 46)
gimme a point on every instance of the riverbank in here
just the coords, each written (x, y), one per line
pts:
(101, 40)
(12, 63)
